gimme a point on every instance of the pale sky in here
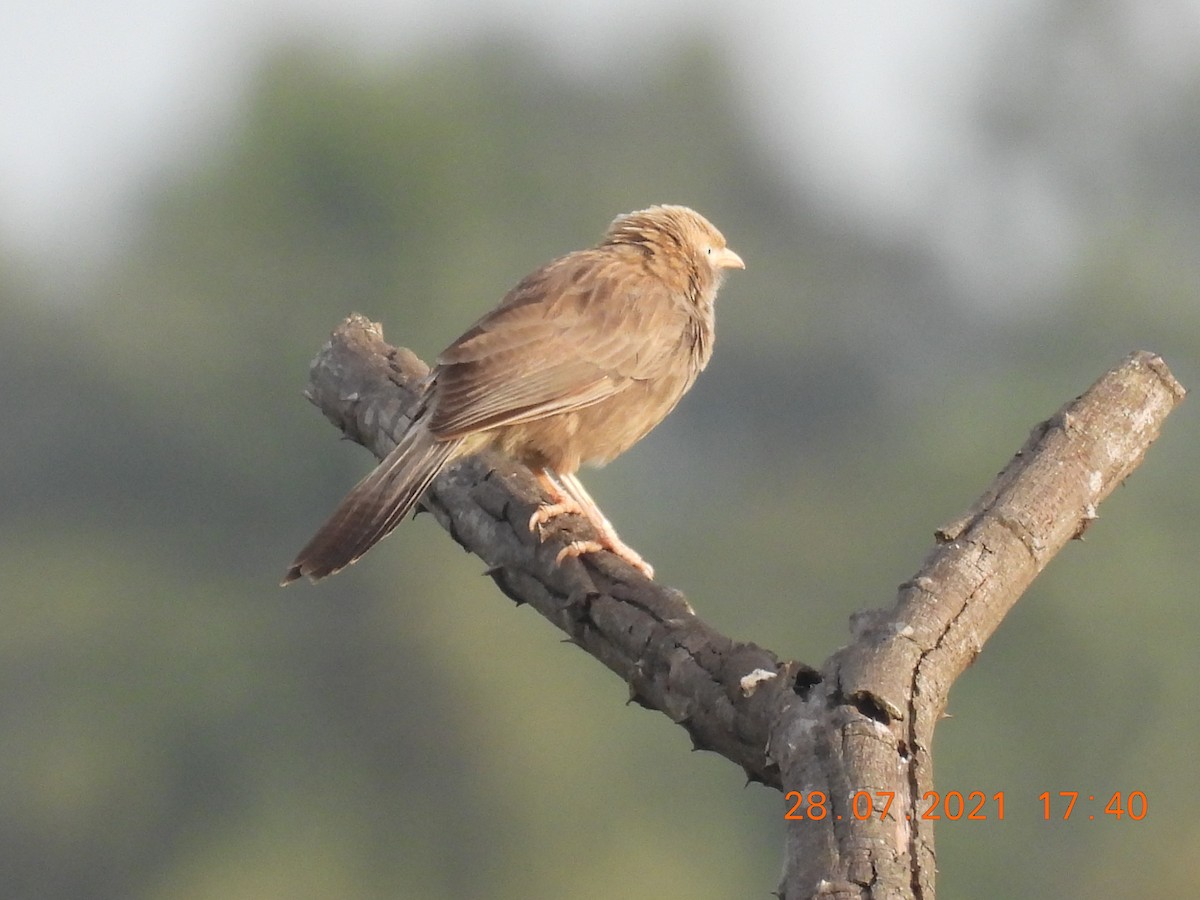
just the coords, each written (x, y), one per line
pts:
(95, 92)
(865, 102)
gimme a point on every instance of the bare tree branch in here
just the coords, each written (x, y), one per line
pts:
(868, 724)
(862, 723)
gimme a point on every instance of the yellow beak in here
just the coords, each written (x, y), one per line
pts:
(727, 259)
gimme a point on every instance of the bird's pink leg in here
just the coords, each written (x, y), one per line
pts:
(571, 498)
(560, 504)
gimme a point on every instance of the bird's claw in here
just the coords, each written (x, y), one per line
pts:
(548, 511)
(577, 548)
(608, 538)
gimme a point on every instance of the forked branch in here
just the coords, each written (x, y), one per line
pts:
(864, 720)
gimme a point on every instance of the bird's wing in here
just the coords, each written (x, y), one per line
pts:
(571, 334)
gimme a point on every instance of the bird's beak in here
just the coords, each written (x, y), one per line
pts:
(727, 259)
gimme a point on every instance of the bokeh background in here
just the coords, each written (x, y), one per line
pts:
(955, 218)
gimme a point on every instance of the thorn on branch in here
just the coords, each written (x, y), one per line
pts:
(500, 576)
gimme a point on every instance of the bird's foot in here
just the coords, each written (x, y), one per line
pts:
(608, 537)
(547, 511)
(614, 546)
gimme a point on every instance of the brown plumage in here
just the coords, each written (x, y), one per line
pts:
(578, 362)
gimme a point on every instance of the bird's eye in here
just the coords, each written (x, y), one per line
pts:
(709, 251)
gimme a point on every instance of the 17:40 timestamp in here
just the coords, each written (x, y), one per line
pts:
(1119, 805)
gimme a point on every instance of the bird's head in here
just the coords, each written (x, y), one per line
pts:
(678, 242)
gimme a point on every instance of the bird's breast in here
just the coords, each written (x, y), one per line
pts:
(594, 434)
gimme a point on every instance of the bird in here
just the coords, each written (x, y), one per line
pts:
(578, 362)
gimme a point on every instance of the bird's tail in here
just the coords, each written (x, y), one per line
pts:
(376, 504)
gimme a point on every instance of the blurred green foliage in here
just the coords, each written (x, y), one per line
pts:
(175, 726)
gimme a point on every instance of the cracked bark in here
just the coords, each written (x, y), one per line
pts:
(861, 722)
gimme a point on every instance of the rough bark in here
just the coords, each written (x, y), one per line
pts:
(861, 723)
